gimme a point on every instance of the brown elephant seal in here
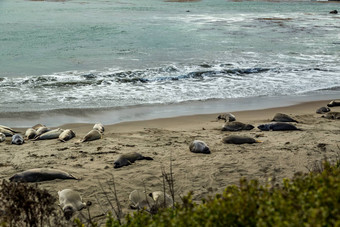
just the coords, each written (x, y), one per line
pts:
(198, 146)
(236, 126)
(42, 130)
(140, 200)
(30, 133)
(332, 115)
(70, 202)
(40, 174)
(277, 127)
(239, 140)
(17, 139)
(92, 135)
(2, 137)
(334, 103)
(128, 159)
(53, 134)
(7, 130)
(322, 110)
(99, 127)
(162, 199)
(66, 135)
(227, 117)
(281, 117)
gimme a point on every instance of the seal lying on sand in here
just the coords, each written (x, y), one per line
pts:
(239, 140)
(70, 202)
(66, 135)
(99, 127)
(334, 103)
(236, 126)
(161, 199)
(7, 131)
(53, 134)
(332, 115)
(92, 135)
(227, 117)
(140, 200)
(280, 117)
(277, 127)
(30, 133)
(322, 110)
(2, 137)
(37, 126)
(40, 174)
(17, 139)
(42, 130)
(198, 146)
(129, 158)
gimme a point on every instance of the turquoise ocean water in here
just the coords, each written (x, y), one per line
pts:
(113, 54)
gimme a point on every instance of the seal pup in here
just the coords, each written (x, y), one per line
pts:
(99, 127)
(128, 159)
(334, 103)
(322, 110)
(30, 133)
(281, 117)
(66, 135)
(53, 134)
(236, 126)
(17, 139)
(198, 146)
(332, 115)
(2, 137)
(227, 117)
(277, 127)
(239, 140)
(40, 174)
(92, 135)
(162, 199)
(70, 202)
(140, 200)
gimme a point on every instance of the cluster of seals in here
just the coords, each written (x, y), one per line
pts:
(70, 202)
(40, 174)
(227, 117)
(332, 115)
(17, 139)
(277, 127)
(239, 140)
(281, 117)
(198, 146)
(323, 110)
(236, 126)
(128, 159)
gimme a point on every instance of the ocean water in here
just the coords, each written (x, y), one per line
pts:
(114, 54)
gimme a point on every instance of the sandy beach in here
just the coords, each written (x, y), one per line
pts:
(280, 155)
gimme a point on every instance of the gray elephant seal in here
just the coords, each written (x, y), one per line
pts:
(239, 140)
(322, 110)
(17, 139)
(66, 135)
(42, 130)
(332, 115)
(334, 103)
(53, 134)
(128, 159)
(70, 202)
(162, 199)
(92, 135)
(280, 117)
(40, 174)
(236, 126)
(30, 133)
(2, 137)
(99, 127)
(277, 127)
(198, 146)
(140, 200)
(227, 117)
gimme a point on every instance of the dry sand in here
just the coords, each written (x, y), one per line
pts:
(279, 156)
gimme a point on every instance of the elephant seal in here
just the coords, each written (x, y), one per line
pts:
(92, 135)
(30, 133)
(239, 140)
(40, 174)
(66, 135)
(277, 127)
(334, 103)
(37, 126)
(42, 130)
(227, 117)
(332, 115)
(280, 117)
(162, 199)
(99, 127)
(128, 159)
(236, 126)
(198, 146)
(7, 131)
(53, 134)
(140, 200)
(70, 202)
(2, 137)
(17, 139)
(322, 110)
